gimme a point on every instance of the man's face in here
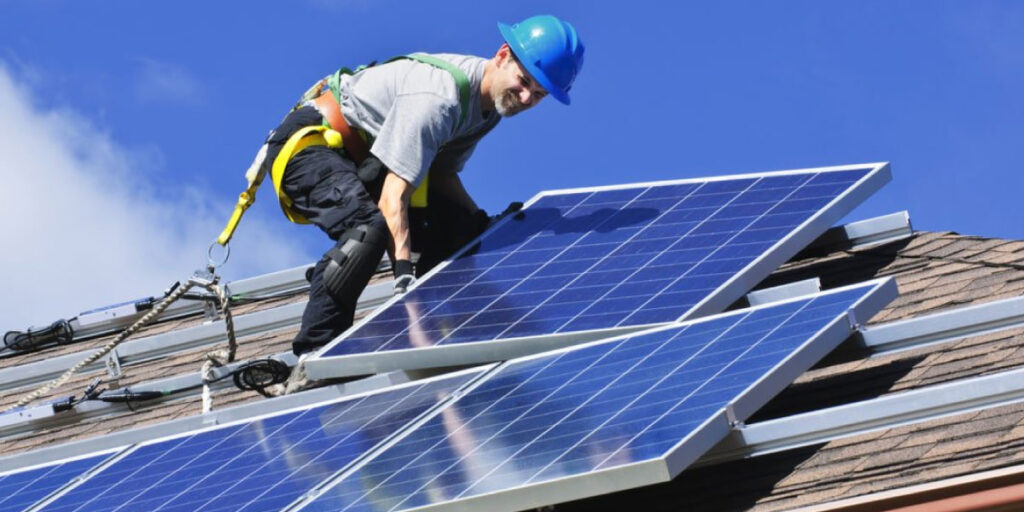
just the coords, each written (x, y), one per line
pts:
(514, 89)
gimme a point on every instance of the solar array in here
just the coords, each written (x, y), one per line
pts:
(21, 489)
(598, 259)
(263, 464)
(628, 411)
(539, 427)
(632, 409)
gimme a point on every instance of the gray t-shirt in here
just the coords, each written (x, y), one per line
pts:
(412, 111)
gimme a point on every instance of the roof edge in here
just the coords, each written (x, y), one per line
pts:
(1009, 481)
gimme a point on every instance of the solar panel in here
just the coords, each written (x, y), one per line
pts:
(578, 265)
(20, 489)
(603, 417)
(262, 464)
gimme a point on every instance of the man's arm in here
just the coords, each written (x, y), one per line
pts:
(450, 184)
(394, 205)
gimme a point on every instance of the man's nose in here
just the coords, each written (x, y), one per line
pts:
(526, 97)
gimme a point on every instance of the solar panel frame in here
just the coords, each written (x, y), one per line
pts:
(468, 376)
(322, 366)
(90, 463)
(877, 294)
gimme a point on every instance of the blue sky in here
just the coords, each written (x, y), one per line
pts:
(129, 125)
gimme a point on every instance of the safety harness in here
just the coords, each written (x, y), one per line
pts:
(334, 133)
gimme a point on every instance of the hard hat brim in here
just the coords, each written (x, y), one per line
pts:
(520, 52)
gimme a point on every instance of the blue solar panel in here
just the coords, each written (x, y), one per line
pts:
(259, 465)
(590, 410)
(20, 490)
(589, 260)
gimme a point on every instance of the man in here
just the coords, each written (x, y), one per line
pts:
(401, 122)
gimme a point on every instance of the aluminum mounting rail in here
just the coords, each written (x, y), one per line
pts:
(917, 406)
(944, 326)
(289, 280)
(876, 230)
(33, 418)
(143, 349)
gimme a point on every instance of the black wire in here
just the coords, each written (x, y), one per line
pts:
(92, 392)
(259, 374)
(57, 333)
(245, 299)
(252, 376)
(130, 398)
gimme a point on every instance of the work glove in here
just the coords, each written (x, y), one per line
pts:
(404, 277)
(513, 208)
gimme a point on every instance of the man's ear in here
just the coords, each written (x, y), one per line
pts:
(503, 53)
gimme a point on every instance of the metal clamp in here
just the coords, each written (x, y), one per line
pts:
(114, 365)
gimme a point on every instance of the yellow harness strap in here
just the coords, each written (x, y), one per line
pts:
(302, 139)
(419, 196)
(254, 175)
(245, 200)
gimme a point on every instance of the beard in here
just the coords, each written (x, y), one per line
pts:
(506, 104)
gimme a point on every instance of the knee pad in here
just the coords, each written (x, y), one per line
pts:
(352, 262)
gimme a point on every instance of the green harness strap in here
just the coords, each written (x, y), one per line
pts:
(333, 82)
(461, 80)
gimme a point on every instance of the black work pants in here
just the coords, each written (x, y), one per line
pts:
(324, 188)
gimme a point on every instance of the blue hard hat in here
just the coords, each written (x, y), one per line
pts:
(550, 49)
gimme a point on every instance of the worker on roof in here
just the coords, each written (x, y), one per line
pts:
(386, 131)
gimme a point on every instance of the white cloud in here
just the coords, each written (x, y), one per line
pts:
(162, 81)
(81, 228)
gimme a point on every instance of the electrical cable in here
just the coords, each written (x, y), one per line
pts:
(91, 393)
(57, 333)
(260, 374)
(254, 375)
(240, 298)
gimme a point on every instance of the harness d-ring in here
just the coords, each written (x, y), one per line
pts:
(209, 254)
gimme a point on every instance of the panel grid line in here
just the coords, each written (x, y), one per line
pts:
(712, 253)
(524, 413)
(554, 419)
(663, 251)
(594, 396)
(531, 409)
(136, 450)
(266, 463)
(702, 385)
(354, 404)
(225, 463)
(598, 262)
(473, 281)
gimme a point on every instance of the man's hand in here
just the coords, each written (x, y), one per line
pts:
(513, 208)
(404, 277)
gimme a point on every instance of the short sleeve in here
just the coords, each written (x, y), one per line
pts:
(413, 133)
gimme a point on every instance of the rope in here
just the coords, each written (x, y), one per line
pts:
(111, 345)
(214, 359)
(218, 358)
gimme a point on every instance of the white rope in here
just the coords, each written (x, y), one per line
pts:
(111, 345)
(222, 357)
(214, 359)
